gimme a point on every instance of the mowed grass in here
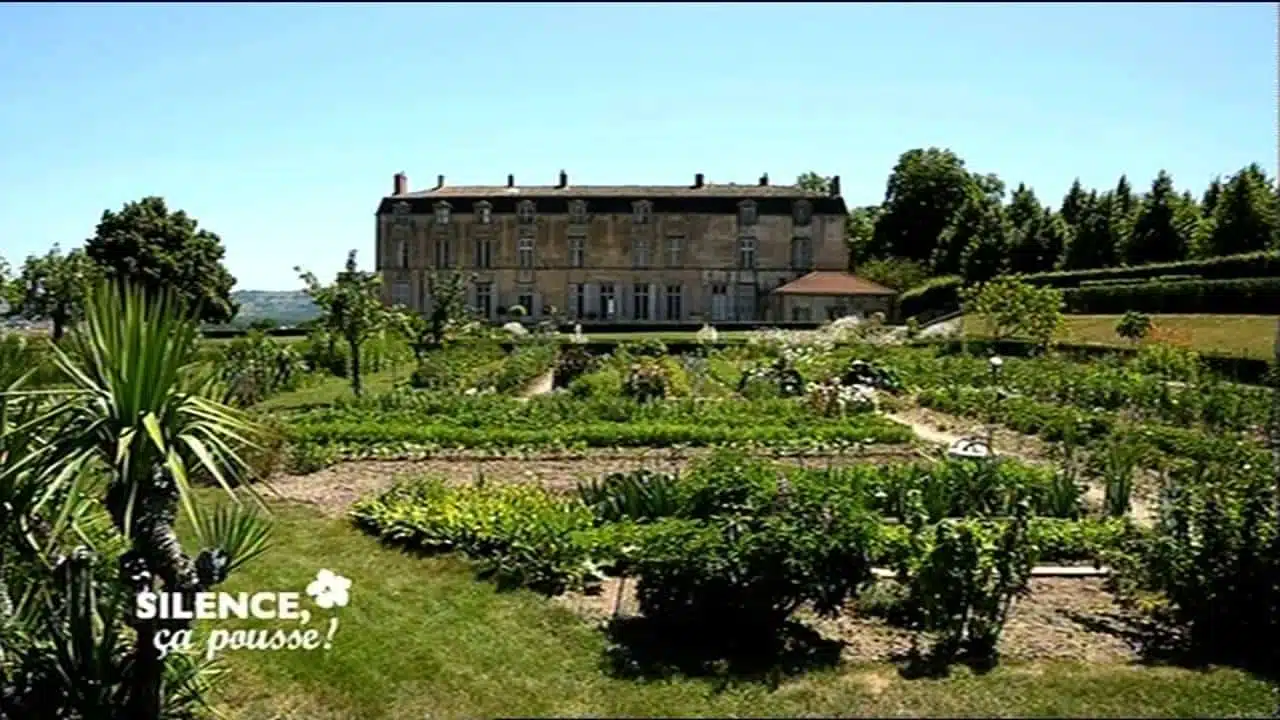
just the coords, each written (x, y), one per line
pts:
(327, 389)
(1236, 335)
(422, 637)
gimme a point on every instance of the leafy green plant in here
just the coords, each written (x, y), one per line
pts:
(1133, 326)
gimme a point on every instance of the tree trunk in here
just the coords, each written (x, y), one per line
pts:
(156, 554)
(59, 325)
(355, 367)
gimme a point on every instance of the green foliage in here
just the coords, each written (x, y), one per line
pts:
(894, 273)
(352, 309)
(1242, 296)
(445, 318)
(523, 536)
(935, 297)
(1011, 307)
(647, 380)
(161, 251)
(813, 182)
(54, 287)
(965, 581)
(1133, 326)
(255, 367)
(924, 192)
(1209, 570)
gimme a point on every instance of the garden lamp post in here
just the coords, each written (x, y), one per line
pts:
(996, 363)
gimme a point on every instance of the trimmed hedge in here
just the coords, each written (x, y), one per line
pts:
(941, 295)
(1227, 267)
(1249, 296)
(936, 297)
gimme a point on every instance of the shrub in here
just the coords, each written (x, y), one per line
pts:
(776, 379)
(647, 380)
(647, 347)
(1211, 569)
(870, 374)
(731, 583)
(255, 367)
(1133, 326)
(573, 362)
(894, 273)
(1226, 267)
(963, 584)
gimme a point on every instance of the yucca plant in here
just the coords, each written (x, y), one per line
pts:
(137, 411)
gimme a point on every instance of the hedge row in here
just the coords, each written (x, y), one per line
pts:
(941, 295)
(1249, 296)
(1227, 267)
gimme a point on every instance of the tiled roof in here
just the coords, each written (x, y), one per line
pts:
(825, 282)
(615, 191)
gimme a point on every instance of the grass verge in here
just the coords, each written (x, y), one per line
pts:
(423, 638)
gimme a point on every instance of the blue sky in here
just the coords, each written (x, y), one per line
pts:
(280, 126)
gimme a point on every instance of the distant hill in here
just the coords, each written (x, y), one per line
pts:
(286, 307)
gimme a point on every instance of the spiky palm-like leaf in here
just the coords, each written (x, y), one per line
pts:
(139, 405)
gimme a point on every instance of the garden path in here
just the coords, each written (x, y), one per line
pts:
(934, 427)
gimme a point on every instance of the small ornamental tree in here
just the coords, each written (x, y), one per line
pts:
(1133, 326)
(351, 308)
(448, 314)
(1010, 307)
(53, 287)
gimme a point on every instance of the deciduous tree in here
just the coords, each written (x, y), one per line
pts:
(923, 194)
(158, 250)
(351, 308)
(1012, 308)
(53, 287)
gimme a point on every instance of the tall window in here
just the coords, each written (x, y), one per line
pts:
(675, 250)
(484, 252)
(675, 302)
(402, 249)
(640, 301)
(526, 212)
(640, 252)
(484, 212)
(747, 212)
(608, 306)
(641, 212)
(525, 252)
(802, 212)
(525, 300)
(484, 299)
(577, 212)
(578, 300)
(719, 301)
(577, 250)
(801, 253)
(801, 313)
(745, 305)
(442, 213)
(444, 252)
(747, 251)
(400, 293)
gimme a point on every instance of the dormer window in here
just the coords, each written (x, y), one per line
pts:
(442, 213)
(484, 212)
(641, 212)
(802, 212)
(400, 213)
(526, 212)
(747, 212)
(577, 211)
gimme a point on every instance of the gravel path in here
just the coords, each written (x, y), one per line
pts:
(943, 429)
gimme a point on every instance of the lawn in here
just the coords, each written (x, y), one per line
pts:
(327, 389)
(422, 637)
(1238, 335)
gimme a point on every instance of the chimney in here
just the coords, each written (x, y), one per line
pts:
(401, 184)
(698, 180)
(764, 180)
(439, 181)
(511, 181)
(835, 186)
(564, 180)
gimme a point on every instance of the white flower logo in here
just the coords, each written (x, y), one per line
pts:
(329, 589)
